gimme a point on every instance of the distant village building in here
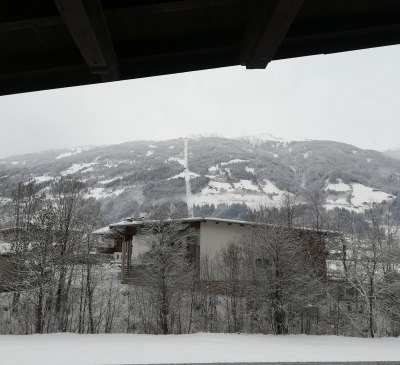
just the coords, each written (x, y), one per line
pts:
(127, 243)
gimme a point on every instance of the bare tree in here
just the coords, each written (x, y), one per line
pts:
(28, 201)
(36, 266)
(231, 271)
(283, 279)
(167, 269)
(289, 209)
(89, 218)
(371, 268)
(316, 215)
(67, 196)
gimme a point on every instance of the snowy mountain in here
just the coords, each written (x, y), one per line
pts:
(129, 178)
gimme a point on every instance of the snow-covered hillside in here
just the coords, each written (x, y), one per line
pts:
(245, 191)
(354, 196)
(129, 178)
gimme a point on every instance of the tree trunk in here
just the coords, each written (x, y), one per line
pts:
(39, 312)
(371, 308)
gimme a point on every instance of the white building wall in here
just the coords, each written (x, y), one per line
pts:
(139, 246)
(214, 237)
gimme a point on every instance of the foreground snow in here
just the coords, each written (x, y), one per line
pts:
(145, 349)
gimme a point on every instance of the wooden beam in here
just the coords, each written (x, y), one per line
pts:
(117, 13)
(168, 7)
(31, 23)
(86, 23)
(266, 32)
(339, 41)
(65, 72)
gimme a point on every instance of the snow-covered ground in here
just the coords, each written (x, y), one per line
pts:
(236, 160)
(103, 182)
(43, 178)
(60, 349)
(218, 167)
(339, 186)
(183, 174)
(74, 151)
(246, 185)
(364, 194)
(101, 193)
(179, 160)
(82, 167)
(353, 196)
(264, 137)
(222, 192)
(18, 162)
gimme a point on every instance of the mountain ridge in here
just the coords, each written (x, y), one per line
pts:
(129, 178)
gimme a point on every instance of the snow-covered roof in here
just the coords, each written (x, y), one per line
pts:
(131, 222)
(103, 230)
(138, 223)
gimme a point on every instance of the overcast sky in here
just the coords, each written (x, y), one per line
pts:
(350, 97)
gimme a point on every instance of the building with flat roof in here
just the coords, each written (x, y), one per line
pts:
(211, 236)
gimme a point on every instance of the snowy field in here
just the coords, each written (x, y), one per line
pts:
(254, 196)
(75, 349)
(354, 197)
